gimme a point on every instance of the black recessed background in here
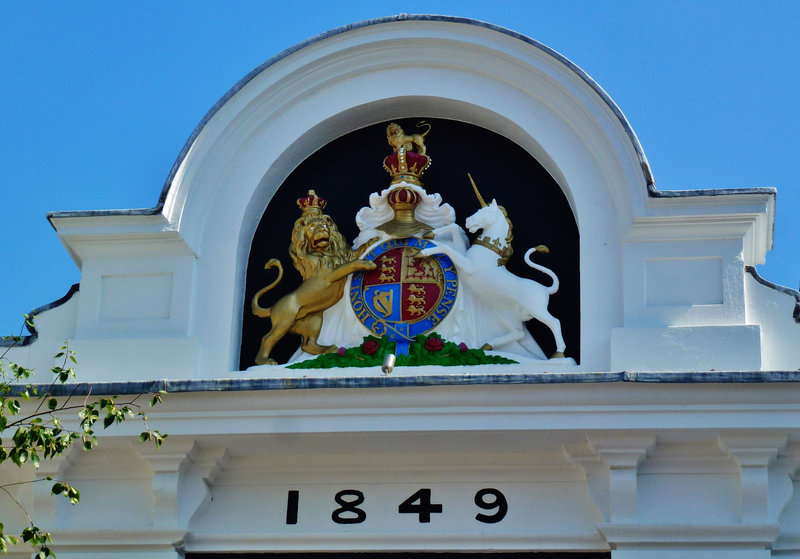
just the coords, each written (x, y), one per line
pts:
(347, 170)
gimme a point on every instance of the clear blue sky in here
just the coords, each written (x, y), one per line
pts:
(98, 99)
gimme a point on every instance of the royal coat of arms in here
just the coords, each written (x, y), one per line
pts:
(411, 271)
(407, 294)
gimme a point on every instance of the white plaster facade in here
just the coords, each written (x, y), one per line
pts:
(677, 435)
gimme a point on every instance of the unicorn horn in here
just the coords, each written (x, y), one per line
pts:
(478, 194)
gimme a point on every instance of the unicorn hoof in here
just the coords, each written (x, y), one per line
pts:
(557, 355)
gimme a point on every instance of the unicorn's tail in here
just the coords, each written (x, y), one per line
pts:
(541, 248)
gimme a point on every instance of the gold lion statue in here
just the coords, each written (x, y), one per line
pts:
(399, 139)
(321, 255)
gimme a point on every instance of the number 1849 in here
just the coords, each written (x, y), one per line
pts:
(420, 503)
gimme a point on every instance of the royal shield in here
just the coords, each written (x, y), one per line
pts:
(407, 294)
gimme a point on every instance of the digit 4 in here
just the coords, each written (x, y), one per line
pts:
(420, 503)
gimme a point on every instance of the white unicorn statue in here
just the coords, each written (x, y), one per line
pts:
(483, 268)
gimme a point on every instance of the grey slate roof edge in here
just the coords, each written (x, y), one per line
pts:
(787, 290)
(768, 190)
(240, 385)
(33, 333)
(102, 213)
(652, 191)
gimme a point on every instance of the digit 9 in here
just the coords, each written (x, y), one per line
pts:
(499, 502)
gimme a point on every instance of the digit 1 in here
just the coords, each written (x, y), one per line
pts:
(424, 508)
(291, 507)
(498, 503)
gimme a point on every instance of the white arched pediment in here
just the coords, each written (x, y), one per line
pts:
(438, 67)
(444, 68)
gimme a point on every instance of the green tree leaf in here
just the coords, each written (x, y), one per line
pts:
(41, 435)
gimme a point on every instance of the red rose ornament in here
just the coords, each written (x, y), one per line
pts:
(434, 344)
(370, 347)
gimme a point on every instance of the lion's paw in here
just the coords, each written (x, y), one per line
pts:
(261, 360)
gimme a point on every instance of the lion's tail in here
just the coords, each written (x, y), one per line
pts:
(422, 123)
(541, 248)
(254, 306)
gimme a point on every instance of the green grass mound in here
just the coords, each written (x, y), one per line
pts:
(425, 350)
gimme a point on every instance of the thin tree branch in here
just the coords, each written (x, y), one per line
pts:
(7, 492)
(30, 481)
(27, 418)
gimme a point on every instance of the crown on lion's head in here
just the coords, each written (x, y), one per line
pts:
(311, 203)
(316, 242)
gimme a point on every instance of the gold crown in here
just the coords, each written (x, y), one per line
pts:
(406, 166)
(311, 203)
(403, 199)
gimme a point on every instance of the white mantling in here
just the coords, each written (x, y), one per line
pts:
(430, 211)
